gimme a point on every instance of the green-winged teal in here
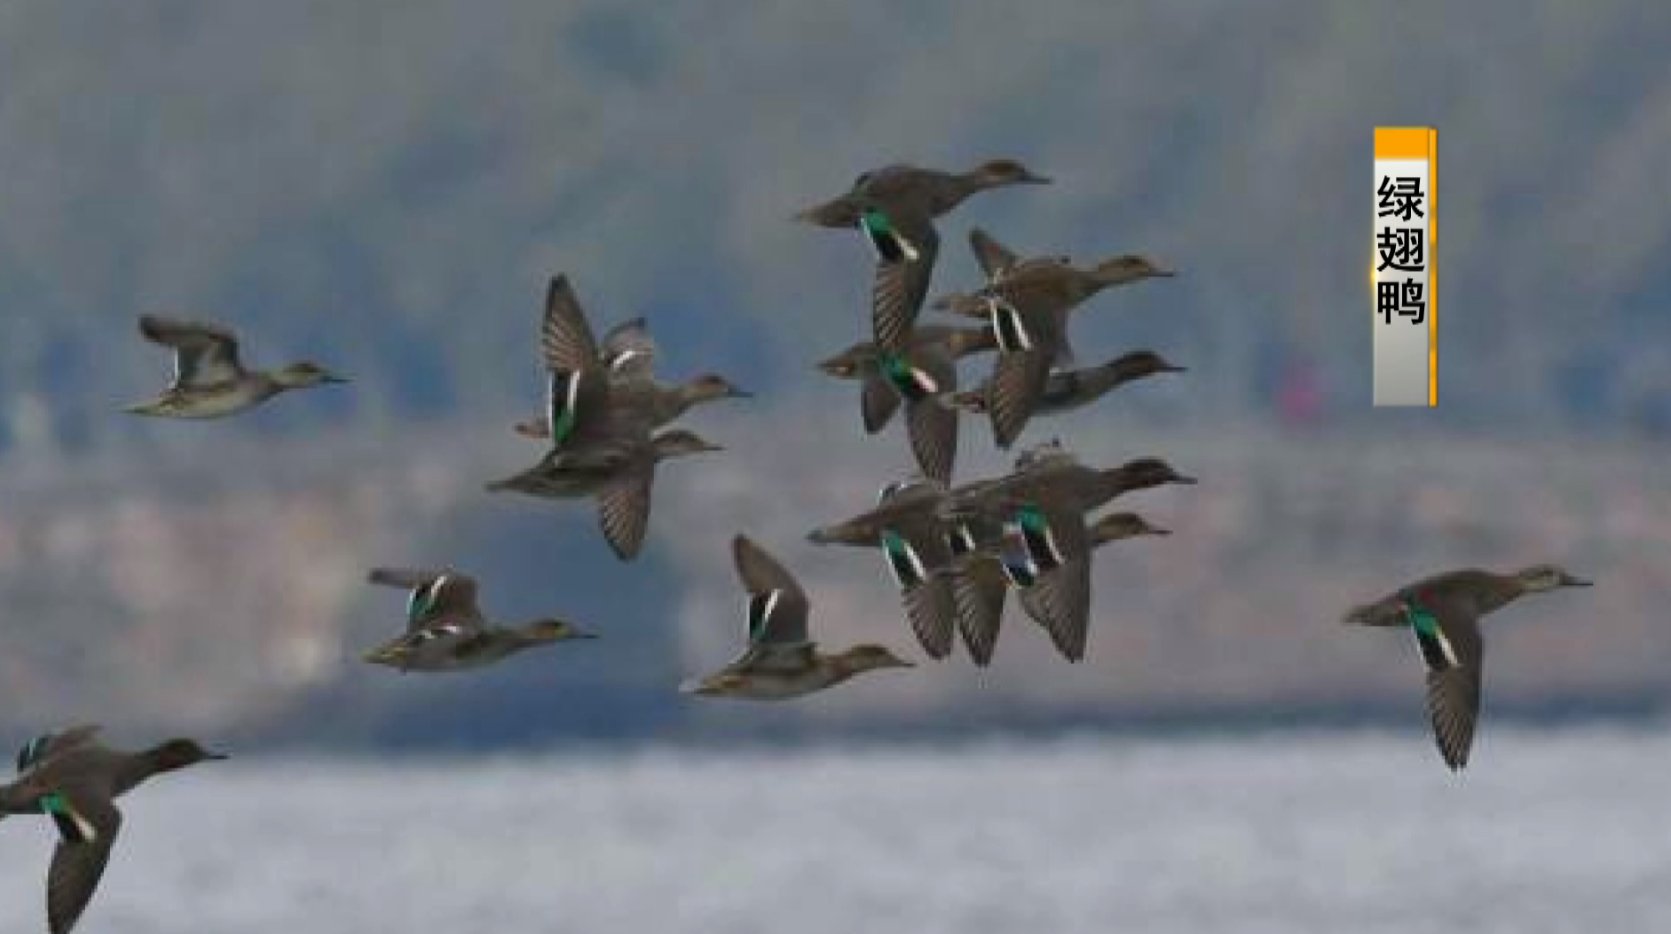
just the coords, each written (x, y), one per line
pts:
(618, 471)
(1443, 613)
(209, 381)
(895, 208)
(781, 661)
(1065, 390)
(920, 374)
(445, 630)
(987, 560)
(1028, 303)
(1046, 499)
(602, 391)
(906, 525)
(597, 389)
(72, 778)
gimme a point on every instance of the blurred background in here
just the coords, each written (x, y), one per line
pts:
(385, 187)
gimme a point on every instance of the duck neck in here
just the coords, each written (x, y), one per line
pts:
(1497, 591)
(140, 766)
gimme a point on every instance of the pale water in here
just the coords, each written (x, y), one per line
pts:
(1305, 832)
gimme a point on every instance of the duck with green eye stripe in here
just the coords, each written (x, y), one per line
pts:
(781, 660)
(1443, 614)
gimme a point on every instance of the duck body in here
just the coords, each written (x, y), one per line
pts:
(781, 661)
(907, 527)
(1027, 303)
(1442, 614)
(618, 472)
(75, 780)
(446, 630)
(209, 380)
(1067, 390)
(894, 208)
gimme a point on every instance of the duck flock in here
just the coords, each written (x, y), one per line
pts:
(954, 552)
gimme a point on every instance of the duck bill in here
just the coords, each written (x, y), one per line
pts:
(216, 757)
(1156, 530)
(532, 429)
(1570, 581)
(1173, 368)
(1187, 481)
(736, 393)
(1033, 178)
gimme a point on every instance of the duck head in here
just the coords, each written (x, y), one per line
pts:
(996, 173)
(1141, 363)
(713, 386)
(305, 374)
(679, 442)
(1145, 472)
(1540, 577)
(1129, 268)
(870, 657)
(179, 753)
(849, 363)
(1116, 526)
(555, 630)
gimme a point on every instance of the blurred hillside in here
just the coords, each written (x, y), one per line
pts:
(384, 187)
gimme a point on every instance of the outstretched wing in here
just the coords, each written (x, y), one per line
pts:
(901, 284)
(1060, 598)
(624, 511)
(978, 588)
(877, 402)
(88, 824)
(565, 337)
(436, 595)
(1453, 653)
(777, 606)
(995, 258)
(629, 352)
(932, 427)
(1018, 382)
(204, 354)
(48, 745)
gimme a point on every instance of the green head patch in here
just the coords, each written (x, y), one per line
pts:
(54, 803)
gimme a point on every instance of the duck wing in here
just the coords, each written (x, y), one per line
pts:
(1453, 652)
(932, 427)
(624, 510)
(1018, 382)
(978, 590)
(565, 338)
(877, 402)
(48, 745)
(901, 282)
(777, 606)
(88, 823)
(995, 259)
(629, 351)
(437, 595)
(1059, 599)
(205, 355)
